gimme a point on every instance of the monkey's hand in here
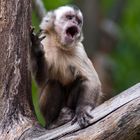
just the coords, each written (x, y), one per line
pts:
(82, 116)
(37, 57)
(36, 46)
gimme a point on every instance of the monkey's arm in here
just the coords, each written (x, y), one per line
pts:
(89, 91)
(37, 59)
(88, 100)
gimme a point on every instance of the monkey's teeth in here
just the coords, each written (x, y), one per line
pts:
(72, 31)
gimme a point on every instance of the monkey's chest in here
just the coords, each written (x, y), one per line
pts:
(60, 68)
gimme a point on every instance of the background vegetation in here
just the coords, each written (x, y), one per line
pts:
(126, 52)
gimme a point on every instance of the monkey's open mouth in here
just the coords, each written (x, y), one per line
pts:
(72, 31)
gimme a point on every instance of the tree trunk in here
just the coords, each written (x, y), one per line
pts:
(16, 113)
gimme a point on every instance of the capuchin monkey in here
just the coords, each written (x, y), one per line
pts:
(66, 78)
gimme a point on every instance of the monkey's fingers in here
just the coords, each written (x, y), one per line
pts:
(40, 39)
(32, 28)
(83, 119)
(32, 34)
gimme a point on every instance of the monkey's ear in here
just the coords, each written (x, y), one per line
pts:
(47, 22)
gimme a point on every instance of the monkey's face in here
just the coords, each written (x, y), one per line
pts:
(68, 25)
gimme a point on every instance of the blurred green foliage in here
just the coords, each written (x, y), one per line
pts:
(127, 53)
(106, 5)
(35, 96)
(52, 4)
(35, 21)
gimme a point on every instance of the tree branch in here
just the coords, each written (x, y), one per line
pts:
(114, 115)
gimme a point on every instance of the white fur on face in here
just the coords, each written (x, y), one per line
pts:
(47, 21)
(62, 10)
(80, 14)
(43, 23)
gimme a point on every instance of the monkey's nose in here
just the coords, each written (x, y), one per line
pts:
(74, 21)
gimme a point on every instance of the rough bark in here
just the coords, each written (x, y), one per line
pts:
(16, 113)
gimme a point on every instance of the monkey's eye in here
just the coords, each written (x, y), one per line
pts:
(79, 21)
(69, 17)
